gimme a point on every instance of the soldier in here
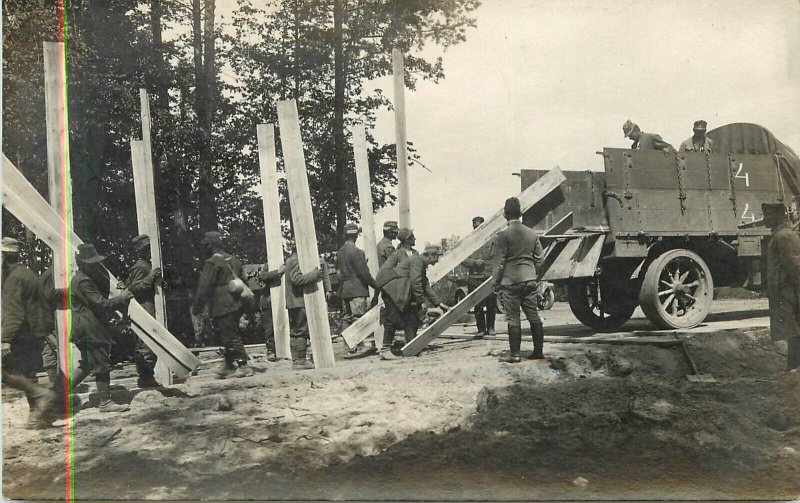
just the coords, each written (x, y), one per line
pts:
(405, 296)
(698, 142)
(215, 289)
(296, 281)
(355, 282)
(385, 246)
(386, 273)
(783, 281)
(23, 333)
(142, 281)
(643, 141)
(519, 254)
(50, 347)
(92, 311)
(269, 279)
(479, 266)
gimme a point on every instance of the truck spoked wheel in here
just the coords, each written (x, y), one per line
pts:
(677, 290)
(587, 303)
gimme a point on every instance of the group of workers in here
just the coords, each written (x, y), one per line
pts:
(698, 142)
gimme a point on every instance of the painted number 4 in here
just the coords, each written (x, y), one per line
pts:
(747, 214)
(745, 176)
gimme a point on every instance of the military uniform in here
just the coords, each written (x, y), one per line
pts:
(519, 253)
(385, 250)
(141, 283)
(706, 146)
(404, 294)
(479, 267)
(650, 141)
(50, 347)
(296, 281)
(783, 290)
(224, 308)
(355, 280)
(269, 279)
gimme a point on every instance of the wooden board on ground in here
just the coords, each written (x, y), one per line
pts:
(463, 249)
(454, 314)
(304, 232)
(30, 208)
(59, 184)
(366, 209)
(270, 200)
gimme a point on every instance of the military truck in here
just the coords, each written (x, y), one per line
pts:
(662, 229)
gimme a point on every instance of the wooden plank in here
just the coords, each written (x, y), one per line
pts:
(398, 78)
(577, 258)
(453, 315)
(304, 232)
(270, 200)
(463, 249)
(367, 211)
(561, 226)
(30, 208)
(59, 184)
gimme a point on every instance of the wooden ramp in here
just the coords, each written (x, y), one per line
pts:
(368, 323)
(25, 203)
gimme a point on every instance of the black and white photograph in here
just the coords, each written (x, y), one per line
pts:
(400, 250)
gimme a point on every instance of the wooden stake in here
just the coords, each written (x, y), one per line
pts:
(365, 205)
(418, 343)
(30, 208)
(304, 232)
(365, 325)
(149, 218)
(398, 72)
(270, 199)
(59, 183)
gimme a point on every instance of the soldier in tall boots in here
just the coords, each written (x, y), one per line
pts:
(407, 295)
(92, 312)
(519, 254)
(23, 332)
(783, 282)
(269, 279)
(404, 251)
(220, 270)
(479, 265)
(296, 281)
(355, 283)
(142, 281)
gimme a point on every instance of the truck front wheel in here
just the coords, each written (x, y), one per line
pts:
(677, 290)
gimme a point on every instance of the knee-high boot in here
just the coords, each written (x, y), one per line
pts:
(480, 320)
(514, 343)
(299, 352)
(103, 381)
(537, 330)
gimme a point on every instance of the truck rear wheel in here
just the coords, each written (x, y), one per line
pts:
(585, 299)
(677, 290)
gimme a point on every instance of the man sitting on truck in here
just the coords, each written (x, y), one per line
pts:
(643, 141)
(699, 142)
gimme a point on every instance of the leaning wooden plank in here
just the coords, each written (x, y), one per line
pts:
(148, 224)
(365, 205)
(453, 315)
(30, 208)
(464, 248)
(58, 181)
(560, 227)
(304, 232)
(270, 200)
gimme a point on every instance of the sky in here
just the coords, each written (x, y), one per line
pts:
(540, 83)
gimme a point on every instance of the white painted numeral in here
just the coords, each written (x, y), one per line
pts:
(745, 176)
(747, 214)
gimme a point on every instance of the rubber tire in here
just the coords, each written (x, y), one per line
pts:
(578, 303)
(648, 295)
(548, 299)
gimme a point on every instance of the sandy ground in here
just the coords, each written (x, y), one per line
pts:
(592, 421)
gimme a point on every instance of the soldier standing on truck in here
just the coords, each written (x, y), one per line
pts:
(479, 266)
(698, 142)
(642, 140)
(783, 281)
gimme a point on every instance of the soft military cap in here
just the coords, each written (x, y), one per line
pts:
(628, 127)
(141, 241)
(88, 254)
(10, 245)
(700, 125)
(433, 250)
(405, 234)
(351, 229)
(478, 220)
(390, 225)
(212, 238)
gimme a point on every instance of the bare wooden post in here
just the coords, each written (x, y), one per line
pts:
(151, 227)
(270, 199)
(304, 232)
(398, 71)
(365, 204)
(59, 182)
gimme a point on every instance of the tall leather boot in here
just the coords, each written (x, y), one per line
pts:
(103, 382)
(388, 341)
(480, 321)
(40, 400)
(514, 342)
(792, 353)
(491, 313)
(537, 330)
(299, 353)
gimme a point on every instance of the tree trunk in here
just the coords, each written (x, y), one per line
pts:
(339, 149)
(204, 76)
